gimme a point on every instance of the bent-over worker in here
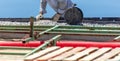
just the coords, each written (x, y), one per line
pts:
(59, 6)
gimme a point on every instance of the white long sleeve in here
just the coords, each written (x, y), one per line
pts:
(60, 6)
(43, 4)
(64, 5)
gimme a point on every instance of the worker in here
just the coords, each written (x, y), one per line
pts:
(59, 6)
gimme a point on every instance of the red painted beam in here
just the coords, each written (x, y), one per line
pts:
(63, 44)
(88, 44)
(20, 44)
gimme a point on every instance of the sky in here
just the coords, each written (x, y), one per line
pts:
(27, 8)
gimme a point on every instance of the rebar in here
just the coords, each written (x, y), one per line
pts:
(47, 43)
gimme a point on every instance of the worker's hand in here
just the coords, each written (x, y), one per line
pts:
(56, 17)
(40, 16)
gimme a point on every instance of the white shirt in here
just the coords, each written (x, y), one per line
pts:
(60, 6)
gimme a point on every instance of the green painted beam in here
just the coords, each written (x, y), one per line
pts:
(21, 26)
(52, 40)
(85, 34)
(86, 31)
(89, 27)
(43, 28)
(12, 53)
(16, 48)
(21, 29)
(52, 32)
(67, 30)
(14, 31)
(71, 29)
(117, 38)
(28, 39)
(66, 27)
(43, 32)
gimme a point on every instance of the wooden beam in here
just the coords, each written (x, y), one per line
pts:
(108, 55)
(81, 54)
(54, 54)
(95, 54)
(40, 53)
(116, 58)
(67, 54)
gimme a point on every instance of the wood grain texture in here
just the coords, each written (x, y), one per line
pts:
(40, 53)
(81, 54)
(67, 54)
(108, 55)
(53, 54)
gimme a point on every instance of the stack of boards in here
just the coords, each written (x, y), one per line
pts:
(76, 54)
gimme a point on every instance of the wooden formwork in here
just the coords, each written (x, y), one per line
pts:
(76, 54)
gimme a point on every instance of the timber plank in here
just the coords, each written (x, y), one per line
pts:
(67, 54)
(116, 58)
(41, 53)
(108, 55)
(81, 54)
(53, 54)
(14, 51)
(95, 54)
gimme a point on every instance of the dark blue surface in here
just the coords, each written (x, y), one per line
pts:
(90, 8)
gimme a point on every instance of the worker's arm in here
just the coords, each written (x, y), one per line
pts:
(43, 4)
